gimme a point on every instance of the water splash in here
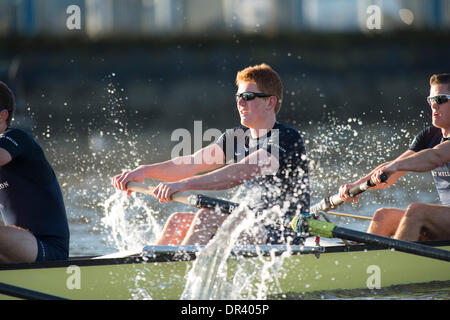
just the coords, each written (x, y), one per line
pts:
(211, 276)
(129, 222)
(342, 151)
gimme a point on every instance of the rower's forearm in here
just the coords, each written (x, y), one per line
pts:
(171, 170)
(225, 178)
(425, 160)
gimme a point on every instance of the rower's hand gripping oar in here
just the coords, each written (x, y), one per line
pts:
(333, 201)
(195, 200)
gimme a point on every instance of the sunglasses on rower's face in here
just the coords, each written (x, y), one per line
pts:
(247, 96)
(442, 98)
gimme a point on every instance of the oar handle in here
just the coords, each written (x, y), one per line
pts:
(365, 185)
(195, 200)
(144, 188)
(223, 206)
(335, 200)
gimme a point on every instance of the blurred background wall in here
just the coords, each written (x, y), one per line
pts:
(166, 63)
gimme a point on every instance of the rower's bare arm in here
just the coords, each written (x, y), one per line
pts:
(259, 163)
(392, 178)
(425, 160)
(5, 157)
(206, 159)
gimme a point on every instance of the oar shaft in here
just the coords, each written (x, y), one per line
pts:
(348, 215)
(335, 200)
(399, 245)
(23, 293)
(329, 230)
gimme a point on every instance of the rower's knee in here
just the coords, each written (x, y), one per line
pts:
(385, 221)
(415, 212)
(202, 216)
(175, 229)
(179, 218)
(17, 245)
(381, 215)
(208, 218)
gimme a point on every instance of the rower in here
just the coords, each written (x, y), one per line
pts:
(429, 151)
(31, 202)
(268, 157)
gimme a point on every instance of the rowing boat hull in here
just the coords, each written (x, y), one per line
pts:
(158, 276)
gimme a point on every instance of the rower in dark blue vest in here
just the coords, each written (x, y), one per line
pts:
(429, 151)
(31, 202)
(263, 155)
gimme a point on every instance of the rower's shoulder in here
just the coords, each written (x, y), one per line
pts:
(426, 138)
(11, 130)
(430, 133)
(16, 134)
(431, 130)
(229, 134)
(287, 131)
(239, 128)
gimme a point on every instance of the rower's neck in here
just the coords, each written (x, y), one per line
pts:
(263, 129)
(445, 132)
(3, 127)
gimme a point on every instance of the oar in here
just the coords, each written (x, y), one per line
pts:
(333, 201)
(195, 200)
(307, 225)
(24, 293)
(304, 222)
(201, 201)
(348, 215)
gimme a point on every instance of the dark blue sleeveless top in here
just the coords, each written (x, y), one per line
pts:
(426, 139)
(289, 186)
(30, 196)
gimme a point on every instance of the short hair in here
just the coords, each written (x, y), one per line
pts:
(7, 101)
(443, 78)
(265, 78)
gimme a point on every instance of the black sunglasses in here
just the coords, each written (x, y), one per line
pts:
(247, 96)
(442, 98)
